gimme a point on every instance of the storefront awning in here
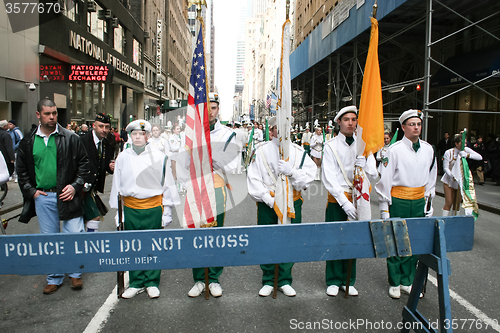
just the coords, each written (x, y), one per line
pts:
(172, 104)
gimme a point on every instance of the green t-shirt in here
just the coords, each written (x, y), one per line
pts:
(45, 158)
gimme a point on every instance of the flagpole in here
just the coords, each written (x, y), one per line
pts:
(361, 150)
(199, 4)
(200, 18)
(283, 124)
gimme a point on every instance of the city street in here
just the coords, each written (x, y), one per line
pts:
(473, 284)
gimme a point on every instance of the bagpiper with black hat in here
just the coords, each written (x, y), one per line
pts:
(406, 189)
(100, 155)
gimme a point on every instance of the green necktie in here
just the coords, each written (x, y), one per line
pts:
(349, 140)
(212, 127)
(416, 146)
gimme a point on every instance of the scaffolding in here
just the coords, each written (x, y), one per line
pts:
(416, 41)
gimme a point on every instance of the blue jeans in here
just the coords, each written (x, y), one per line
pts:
(48, 221)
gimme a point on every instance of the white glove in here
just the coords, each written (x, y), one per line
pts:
(430, 212)
(285, 168)
(117, 219)
(350, 210)
(268, 200)
(166, 218)
(463, 154)
(360, 162)
(468, 211)
(384, 215)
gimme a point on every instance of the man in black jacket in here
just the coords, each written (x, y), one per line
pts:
(52, 168)
(100, 154)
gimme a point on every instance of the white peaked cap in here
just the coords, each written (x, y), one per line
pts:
(410, 114)
(347, 109)
(139, 124)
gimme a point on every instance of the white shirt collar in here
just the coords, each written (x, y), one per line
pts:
(39, 132)
(96, 139)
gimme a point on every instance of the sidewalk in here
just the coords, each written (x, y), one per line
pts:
(14, 196)
(488, 195)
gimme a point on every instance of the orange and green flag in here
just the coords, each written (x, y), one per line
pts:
(370, 131)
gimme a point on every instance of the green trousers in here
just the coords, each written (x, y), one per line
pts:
(214, 272)
(307, 148)
(267, 216)
(143, 219)
(336, 270)
(401, 270)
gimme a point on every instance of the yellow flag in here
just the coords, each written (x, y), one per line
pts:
(370, 131)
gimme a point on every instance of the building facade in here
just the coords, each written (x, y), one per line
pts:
(178, 46)
(152, 17)
(91, 61)
(19, 84)
(434, 56)
(263, 35)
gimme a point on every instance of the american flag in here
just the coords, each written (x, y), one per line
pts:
(268, 101)
(200, 207)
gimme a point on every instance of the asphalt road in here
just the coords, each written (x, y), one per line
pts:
(474, 286)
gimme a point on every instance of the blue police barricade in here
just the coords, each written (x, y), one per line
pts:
(430, 238)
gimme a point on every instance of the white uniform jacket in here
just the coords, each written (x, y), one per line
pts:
(306, 137)
(449, 158)
(316, 145)
(241, 138)
(405, 167)
(158, 143)
(225, 152)
(140, 176)
(332, 176)
(174, 144)
(259, 182)
(258, 135)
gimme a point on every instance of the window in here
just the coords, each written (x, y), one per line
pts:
(95, 26)
(78, 101)
(137, 53)
(73, 9)
(118, 43)
(89, 104)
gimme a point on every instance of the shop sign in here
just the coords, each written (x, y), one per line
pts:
(86, 46)
(52, 73)
(90, 73)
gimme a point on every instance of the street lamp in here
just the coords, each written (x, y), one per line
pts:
(160, 89)
(158, 108)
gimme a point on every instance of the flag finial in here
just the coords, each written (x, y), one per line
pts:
(198, 4)
(375, 7)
